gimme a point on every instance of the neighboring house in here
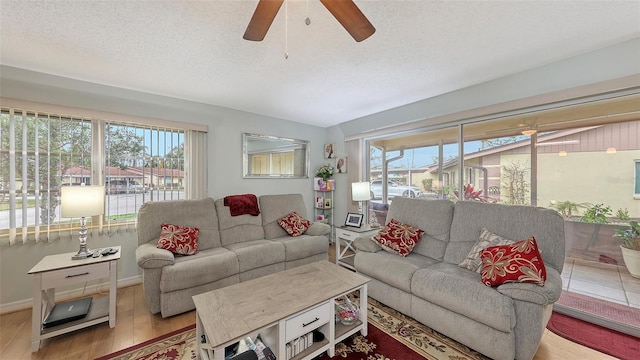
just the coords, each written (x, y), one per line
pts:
(159, 176)
(143, 175)
(607, 171)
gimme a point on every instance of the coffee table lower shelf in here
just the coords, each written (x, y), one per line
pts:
(283, 309)
(268, 334)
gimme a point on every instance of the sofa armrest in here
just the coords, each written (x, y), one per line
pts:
(318, 228)
(150, 257)
(364, 243)
(543, 295)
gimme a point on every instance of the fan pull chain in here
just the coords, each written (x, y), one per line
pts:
(307, 20)
(286, 29)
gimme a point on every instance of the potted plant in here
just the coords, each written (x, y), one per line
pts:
(590, 236)
(630, 247)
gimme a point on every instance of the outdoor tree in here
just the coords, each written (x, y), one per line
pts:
(427, 184)
(491, 143)
(514, 183)
(62, 143)
(124, 148)
(174, 159)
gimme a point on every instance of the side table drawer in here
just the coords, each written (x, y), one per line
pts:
(307, 321)
(347, 235)
(74, 275)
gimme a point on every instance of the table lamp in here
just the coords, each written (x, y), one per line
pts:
(82, 201)
(360, 191)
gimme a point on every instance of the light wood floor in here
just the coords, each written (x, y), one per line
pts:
(135, 324)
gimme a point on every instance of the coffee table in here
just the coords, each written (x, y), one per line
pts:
(280, 307)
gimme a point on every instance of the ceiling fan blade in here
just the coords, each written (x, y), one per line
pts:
(261, 20)
(349, 15)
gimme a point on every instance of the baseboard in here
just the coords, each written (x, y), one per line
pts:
(598, 320)
(99, 287)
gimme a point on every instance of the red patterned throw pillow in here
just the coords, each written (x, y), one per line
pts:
(294, 224)
(517, 262)
(398, 238)
(178, 239)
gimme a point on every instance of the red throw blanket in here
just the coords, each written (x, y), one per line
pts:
(242, 204)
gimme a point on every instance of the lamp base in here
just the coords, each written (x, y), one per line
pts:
(83, 253)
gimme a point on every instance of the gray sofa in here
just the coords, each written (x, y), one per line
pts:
(231, 249)
(505, 322)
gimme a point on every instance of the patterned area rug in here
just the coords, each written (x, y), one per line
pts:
(392, 336)
(176, 345)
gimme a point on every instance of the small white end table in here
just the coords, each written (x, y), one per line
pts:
(346, 235)
(60, 270)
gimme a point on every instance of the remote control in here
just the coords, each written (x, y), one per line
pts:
(107, 251)
(268, 354)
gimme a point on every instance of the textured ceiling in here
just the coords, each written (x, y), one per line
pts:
(194, 49)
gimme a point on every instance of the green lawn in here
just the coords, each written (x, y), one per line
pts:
(5, 204)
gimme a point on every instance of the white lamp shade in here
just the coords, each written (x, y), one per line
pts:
(360, 191)
(79, 201)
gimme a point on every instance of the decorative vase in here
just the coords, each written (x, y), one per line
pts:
(631, 260)
(346, 310)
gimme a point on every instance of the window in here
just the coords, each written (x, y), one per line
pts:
(636, 192)
(142, 164)
(568, 164)
(37, 152)
(42, 152)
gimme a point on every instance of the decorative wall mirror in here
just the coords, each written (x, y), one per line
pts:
(271, 157)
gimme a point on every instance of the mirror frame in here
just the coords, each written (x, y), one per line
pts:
(247, 137)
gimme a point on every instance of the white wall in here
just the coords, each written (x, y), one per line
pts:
(609, 63)
(224, 160)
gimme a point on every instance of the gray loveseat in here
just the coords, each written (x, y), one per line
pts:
(503, 322)
(231, 249)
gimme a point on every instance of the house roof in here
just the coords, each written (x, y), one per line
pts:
(518, 144)
(157, 171)
(194, 50)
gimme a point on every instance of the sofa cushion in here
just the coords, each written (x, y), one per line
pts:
(182, 240)
(294, 224)
(237, 229)
(391, 269)
(318, 228)
(398, 238)
(202, 268)
(460, 290)
(275, 207)
(303, 246)
(432, 216)
(257, 253)
(517, 262)
(487, 238)
(192, 213)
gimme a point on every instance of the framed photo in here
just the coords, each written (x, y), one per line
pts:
(341, 165)
(354, 219)
(329, 151)
(327, 203)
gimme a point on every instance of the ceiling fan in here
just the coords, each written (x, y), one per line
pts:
(345, 11)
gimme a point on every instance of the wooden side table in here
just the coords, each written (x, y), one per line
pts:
(59, 270)
(346, 235)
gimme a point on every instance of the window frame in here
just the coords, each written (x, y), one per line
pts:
(98, 119)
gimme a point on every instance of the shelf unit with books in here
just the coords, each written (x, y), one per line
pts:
(323, 206)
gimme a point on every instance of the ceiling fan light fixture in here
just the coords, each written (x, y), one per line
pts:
(529, 132)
